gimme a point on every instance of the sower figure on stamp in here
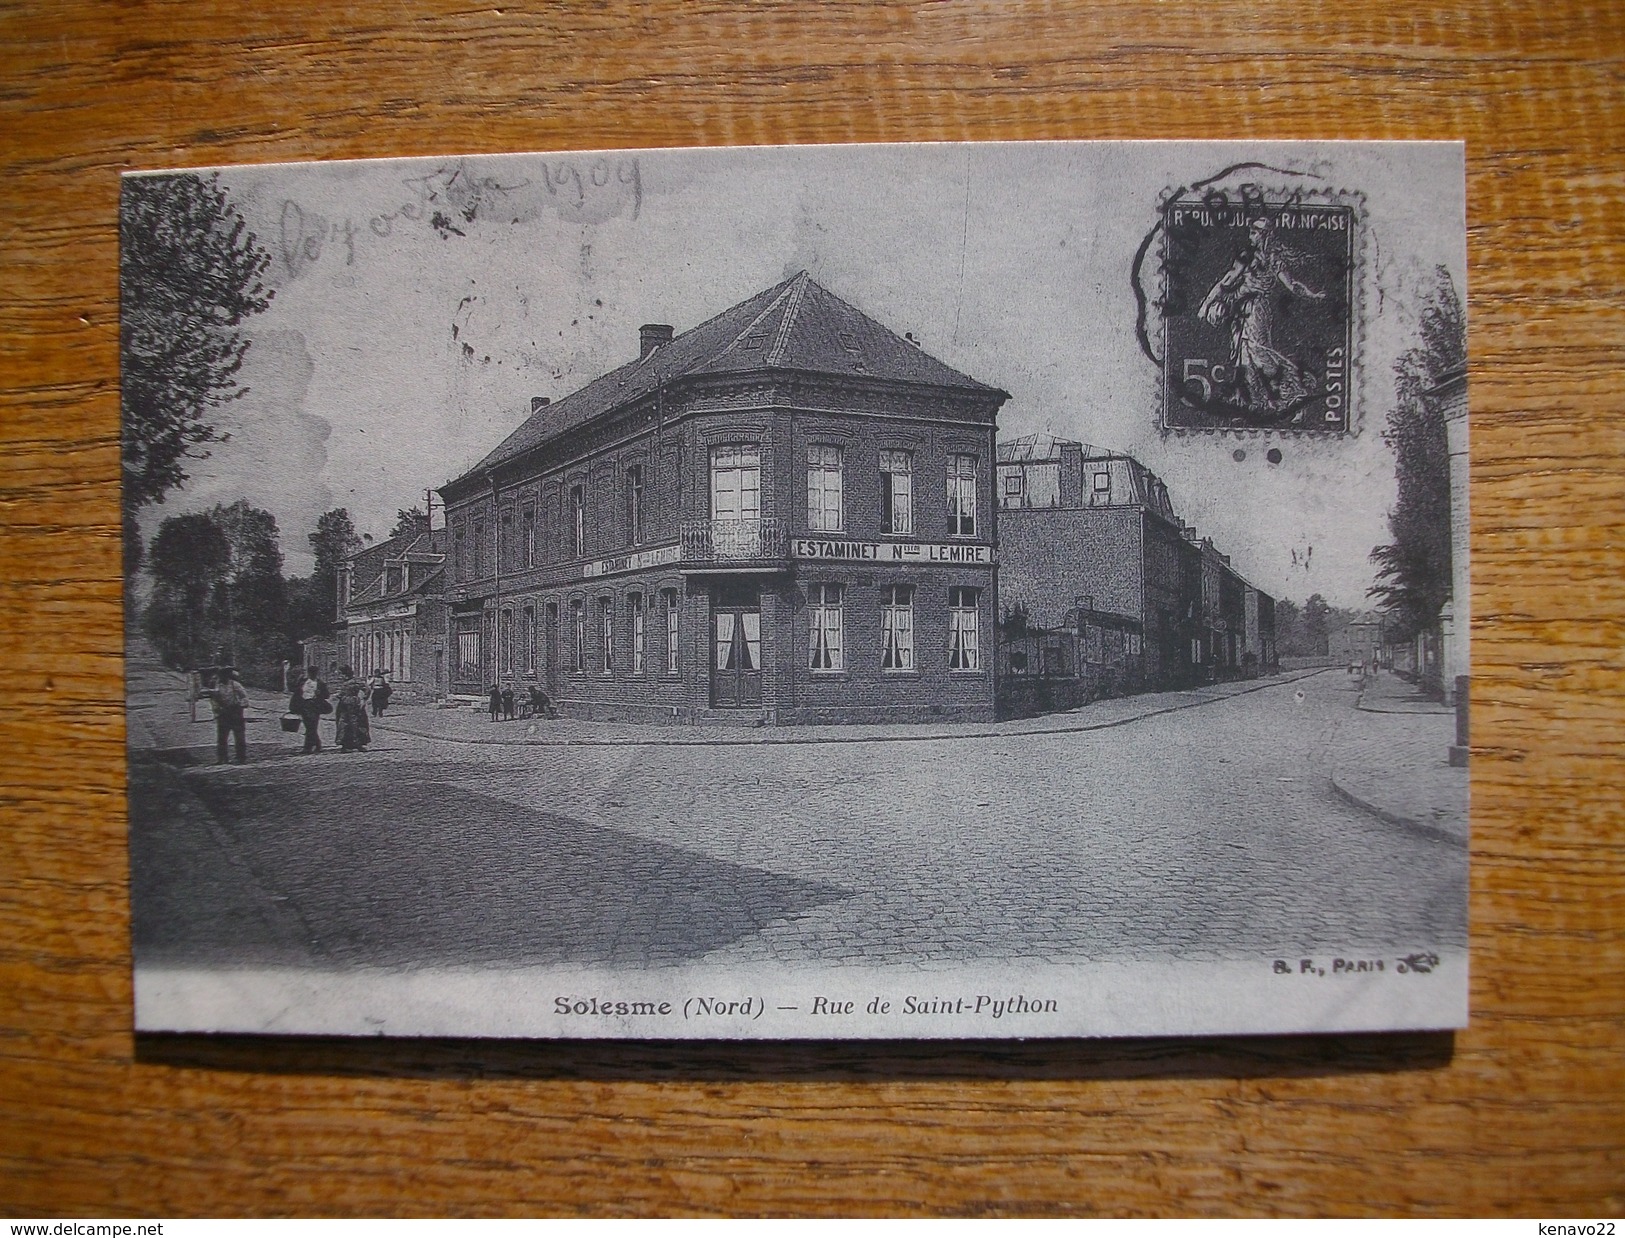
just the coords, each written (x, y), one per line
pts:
(1264, 380)
(230, 701)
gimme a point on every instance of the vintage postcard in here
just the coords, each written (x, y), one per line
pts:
(961, 590)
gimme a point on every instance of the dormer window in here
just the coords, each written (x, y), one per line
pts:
(755, 341)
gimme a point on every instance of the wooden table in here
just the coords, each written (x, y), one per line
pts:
(1522, 1113)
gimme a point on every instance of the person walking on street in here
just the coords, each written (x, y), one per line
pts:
(354, 734)
(310, 701)
(496, 703)
(230, 700)
(379, 693)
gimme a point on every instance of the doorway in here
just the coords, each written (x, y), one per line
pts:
(736, 641)
(550, 649)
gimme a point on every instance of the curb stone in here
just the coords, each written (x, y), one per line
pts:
(1398, 820)
(762, 741)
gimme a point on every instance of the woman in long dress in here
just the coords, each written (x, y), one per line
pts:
(350, 715)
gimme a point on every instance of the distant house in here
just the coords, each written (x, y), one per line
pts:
(322, 652)
(1359, 641)
(1260, 655)
(392, 614)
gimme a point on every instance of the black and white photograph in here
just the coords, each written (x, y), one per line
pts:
(985, 590)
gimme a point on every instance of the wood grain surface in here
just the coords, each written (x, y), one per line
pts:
(1522, 1113)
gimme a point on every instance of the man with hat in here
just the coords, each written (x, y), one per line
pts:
(230, 700)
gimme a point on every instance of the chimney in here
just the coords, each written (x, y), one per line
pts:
(1071, 474)
(651, 335)
(538, 403)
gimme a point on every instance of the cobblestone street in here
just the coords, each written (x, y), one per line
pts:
(1201, 833)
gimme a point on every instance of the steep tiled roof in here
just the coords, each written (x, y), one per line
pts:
(367, 566)
(798, 325)
(368, 563)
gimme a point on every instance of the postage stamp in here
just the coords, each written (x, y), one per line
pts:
(1259, 310)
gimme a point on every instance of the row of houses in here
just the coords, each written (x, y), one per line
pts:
(1102, 581)
(792, 514)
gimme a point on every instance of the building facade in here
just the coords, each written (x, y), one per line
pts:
(1359, 641)
(782, 515)
(392, 614)
(1259, 655)
(1090, 537)
(1221, 647)
(1092, 550)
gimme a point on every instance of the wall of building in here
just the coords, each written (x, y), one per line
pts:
(862, 691)
(409, 649)
(1048, 558)
(1172, 597)
(1358, 642)
(541, 566)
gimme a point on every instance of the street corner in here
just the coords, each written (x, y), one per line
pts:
(1397, 767)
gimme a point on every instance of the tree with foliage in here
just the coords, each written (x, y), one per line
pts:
(189, 558)
(306, 615)
(1288, 638)
(218, 590)
(333, 541)
(251, 602)
(1314, 626)
(190, 273)
(1413, 570)
(410, 520)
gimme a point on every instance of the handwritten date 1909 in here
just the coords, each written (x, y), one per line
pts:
(453, 198)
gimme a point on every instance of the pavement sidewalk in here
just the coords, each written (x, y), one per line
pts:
(1386, 693)
(1391, 758)
(474, 726)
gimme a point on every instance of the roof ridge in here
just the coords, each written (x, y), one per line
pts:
(780, 289)
(810, 336)
(617, 378)
(784, 291)
(724, 313)
(797, 289)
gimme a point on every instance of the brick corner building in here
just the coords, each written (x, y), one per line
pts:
(785, 514)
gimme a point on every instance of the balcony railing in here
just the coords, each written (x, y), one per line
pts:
(724, 542)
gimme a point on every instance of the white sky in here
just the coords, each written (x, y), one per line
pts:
(1009, 262)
